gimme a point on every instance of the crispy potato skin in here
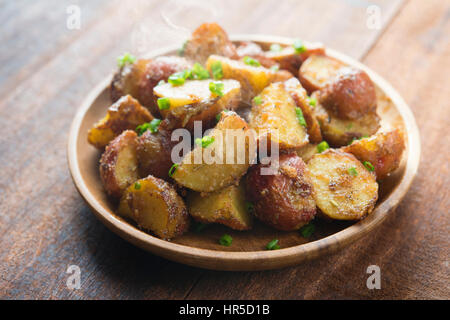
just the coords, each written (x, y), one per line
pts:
(283, 200)
(383, 150)
(155, 206)
(140, 78)
(317, 70)
(351, 95)
(118, 164)
(208, 39)
(226, 206)
(125, 114)
(339, 194)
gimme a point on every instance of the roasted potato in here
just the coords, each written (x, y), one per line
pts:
(251, 49)
(275, 118)
(223, 161)
(283, 200)
(226, 206)
(295, 89)
(155, 205)
(206, 40)
(383, 150)
(139, 79)
(125, 114)
(118, 164)
(340, 132)
(253, 79)
(350, 95)
(344, 188)
(307, 151)
(193, 101)
(317, 70)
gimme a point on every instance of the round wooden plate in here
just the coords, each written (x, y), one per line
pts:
(248, 249)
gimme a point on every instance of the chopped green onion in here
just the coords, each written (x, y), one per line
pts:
(312, 101)
(300, 117)
(250, 206)
(163, 103)
(178, 78)
(180, 51)
(275, 68)
(369, 166)
(299, 46)
(226, 240)
(219, 115)
(199, 227)
(205, 141)
(216, 87)
(126, 58)
(199, 72)
(273, 245)
(275, 47)
(137, 185)
(308, 230)
(257, 100)
(172, 169)
(216, 69)
(251, 62)
(153, 126)
(321, 147)
(352, 171)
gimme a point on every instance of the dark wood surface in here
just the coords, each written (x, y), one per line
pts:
(46, 70)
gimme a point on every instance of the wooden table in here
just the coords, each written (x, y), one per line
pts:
(47, 69)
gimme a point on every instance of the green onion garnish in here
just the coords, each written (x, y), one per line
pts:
(369, 166)
(273, 245)
(226, 240)
(172, 169)
(126, 58)
(312, 101)
(137, 185)
(299, 46)
(216, 87)
(205, 141)
(163, 103)
(199, 73)
(308, 230)
(216, 69)
(352, 171)
(300, 117)
(321, 147)
(178, 78)
(257, 100)
(251, 62)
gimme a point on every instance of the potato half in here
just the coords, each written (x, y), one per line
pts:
(344, 188)
(226, 206)
(155, 205)
(317, 70)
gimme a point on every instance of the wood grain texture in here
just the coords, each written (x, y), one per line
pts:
(45, 225)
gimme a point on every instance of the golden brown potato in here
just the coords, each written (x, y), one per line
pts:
(226, 206)
(223, 161)
(155, 206)
(125, 114)
(283, 200)
(193, 101)
(253, 79)
(350, 95)
(275, 118)
(253, 50)
(295, 89)
(340, 132)
(307, 151)
(139, 79)
(317, 70)
(118, 164)
(206, 40)
(344, 188)
(383, 150)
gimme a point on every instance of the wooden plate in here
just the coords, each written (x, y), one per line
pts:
(248, 249)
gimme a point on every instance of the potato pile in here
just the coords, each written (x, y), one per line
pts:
(243, 101)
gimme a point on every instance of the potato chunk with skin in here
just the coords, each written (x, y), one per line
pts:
(383, 150)
(275, 118)
(125, 114)
(118, 164)
(317, 70)
(253, 79)
(344, 188)
(283, 200)
(208, 39)
(155, 205)
(222, 162)
(226, 206)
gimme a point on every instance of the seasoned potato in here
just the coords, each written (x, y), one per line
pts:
(275, 118)
(206, 40)
(383, 150)
(307, 151)
(125, 114)
(350, 95)
(226, 206)
(253, 50)
(221, 163)
(253, 79)
(193, 101)
(291, 61)
(139, 79)
(283, 200)
(340, 132)
(155, 205)
(295, 89)
(344, 188)
(317, 70)
(118, 164)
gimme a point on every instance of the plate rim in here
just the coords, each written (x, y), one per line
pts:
(252, 260)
